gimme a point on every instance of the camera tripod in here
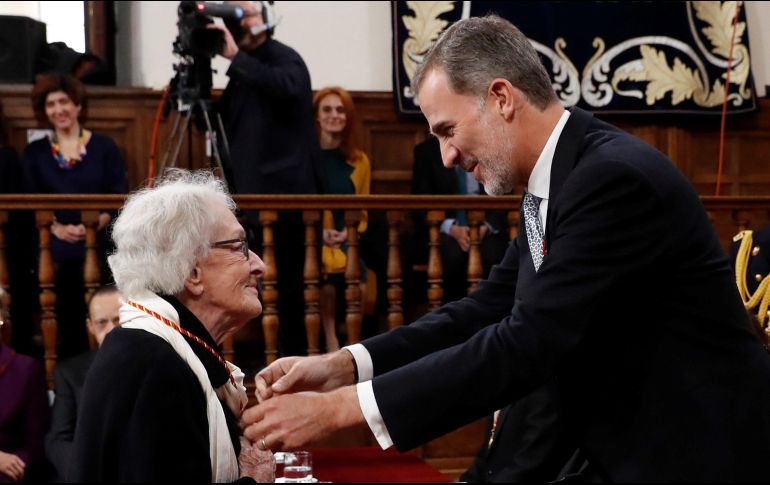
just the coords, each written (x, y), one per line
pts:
(181, 128)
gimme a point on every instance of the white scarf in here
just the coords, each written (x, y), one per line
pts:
(224, 463)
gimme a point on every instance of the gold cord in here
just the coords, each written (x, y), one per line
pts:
(761, 297)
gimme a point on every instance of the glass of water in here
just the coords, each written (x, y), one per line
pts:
(298, 467)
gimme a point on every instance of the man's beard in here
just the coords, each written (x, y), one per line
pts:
(495, 166)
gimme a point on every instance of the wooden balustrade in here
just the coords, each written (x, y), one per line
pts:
(394, 273)
(312, 275)
(270, 318)
(353, 313)
(435, 291)
(728, 214)
(44, 220)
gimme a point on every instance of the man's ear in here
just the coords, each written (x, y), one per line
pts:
(193, 283)
(505, 97)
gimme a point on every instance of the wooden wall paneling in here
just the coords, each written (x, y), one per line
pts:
(125, 114)
(753, 171)
(692, 142)
(391, 153)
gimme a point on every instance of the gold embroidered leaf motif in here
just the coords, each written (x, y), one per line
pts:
(719, 16)
(679, 79)
(712, 98)
(425, 26)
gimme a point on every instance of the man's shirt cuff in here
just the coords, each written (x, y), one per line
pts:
(363, 361)
(371, 413)
(447, 225)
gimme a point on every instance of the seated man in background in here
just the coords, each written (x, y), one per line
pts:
(430, 177)
(69, 376)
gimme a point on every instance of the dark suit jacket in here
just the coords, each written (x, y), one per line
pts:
(673, 391)
(530, 442)
(69, 377)
(267, 110)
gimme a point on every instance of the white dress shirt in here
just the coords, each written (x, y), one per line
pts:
(539, 184)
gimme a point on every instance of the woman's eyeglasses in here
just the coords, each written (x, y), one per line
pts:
(243, 248)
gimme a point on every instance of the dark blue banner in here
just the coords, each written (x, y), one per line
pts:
(604, 56)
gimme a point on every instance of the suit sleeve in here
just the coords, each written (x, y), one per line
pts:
(287, 79)
(58, 441)
(606, 231)
(36, 418)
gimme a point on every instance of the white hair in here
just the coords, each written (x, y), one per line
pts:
(162, 231)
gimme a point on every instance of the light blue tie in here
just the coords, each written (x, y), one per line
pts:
(535, 236)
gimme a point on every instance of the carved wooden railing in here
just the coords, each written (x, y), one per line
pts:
(728, 214)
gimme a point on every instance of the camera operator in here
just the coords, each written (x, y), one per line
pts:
(267, 111)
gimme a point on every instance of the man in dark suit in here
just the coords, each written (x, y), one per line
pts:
(430, 177)
(70, 375)
(523, 441)
(671, 391)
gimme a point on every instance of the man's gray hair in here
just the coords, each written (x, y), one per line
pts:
(474, 51)
(162, 231)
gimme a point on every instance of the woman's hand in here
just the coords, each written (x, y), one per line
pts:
(255, 463)
(334, 238)
(12, 466)
(71, 233)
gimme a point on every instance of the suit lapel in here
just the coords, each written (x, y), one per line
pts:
(564, 158)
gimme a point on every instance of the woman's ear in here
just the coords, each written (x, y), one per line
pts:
(193, 283)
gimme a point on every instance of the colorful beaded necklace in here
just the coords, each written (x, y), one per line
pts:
(67, 163)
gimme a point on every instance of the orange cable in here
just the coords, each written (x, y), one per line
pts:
(720, 169)
(154, 139)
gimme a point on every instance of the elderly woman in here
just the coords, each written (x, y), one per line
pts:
(160, 403)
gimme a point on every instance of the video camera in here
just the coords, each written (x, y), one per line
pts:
(196, 44)
(194, 38)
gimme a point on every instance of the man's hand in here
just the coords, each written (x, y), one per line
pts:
(483, 231)
(230, 49)
(12, 466)
(294, 374)
(463, 236)
(70, 233)
(300, 420)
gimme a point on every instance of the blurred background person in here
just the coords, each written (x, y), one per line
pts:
(159, 401)
(431, 177)
(71, 160)
(70, 375)
(346, 170)
(24, 409)
(267, 111)
(20, 235)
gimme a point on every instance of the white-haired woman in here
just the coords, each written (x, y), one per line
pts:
(160, 403)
